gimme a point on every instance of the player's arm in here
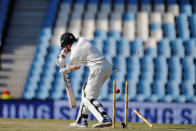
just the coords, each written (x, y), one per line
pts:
(74, 67)
(60, 61)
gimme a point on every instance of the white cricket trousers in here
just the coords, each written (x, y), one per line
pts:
(97, 76)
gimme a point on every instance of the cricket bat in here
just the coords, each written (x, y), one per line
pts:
(69, 90)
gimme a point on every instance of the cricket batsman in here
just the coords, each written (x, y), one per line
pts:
(83, 52)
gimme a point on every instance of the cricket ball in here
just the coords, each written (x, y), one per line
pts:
(117, 91)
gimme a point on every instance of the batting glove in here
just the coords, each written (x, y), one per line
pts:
(65, 70)
(60, 62)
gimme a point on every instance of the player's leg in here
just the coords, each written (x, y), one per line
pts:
(92, 90)
(82, 117)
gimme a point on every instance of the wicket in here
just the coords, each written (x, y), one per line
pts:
(114, 103)
(140, 116)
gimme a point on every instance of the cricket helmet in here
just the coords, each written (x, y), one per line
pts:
(66, 39)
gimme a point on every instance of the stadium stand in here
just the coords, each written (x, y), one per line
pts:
(4, 5)
(23, 26)
(151, 42)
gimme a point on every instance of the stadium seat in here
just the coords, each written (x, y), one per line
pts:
(88, 26)
(106, 6)
(190, 47)
(75, 23)
(110, 47)
(97, 42)
(193, 24)
(79, 5)
(119, 6)
(146, 6)
(132, 90)
(188, 90)
(144, 91)
(133, 6)
(163, 48)
(177, 48)
(150, 47)
(137, 46)
(158, 89)
(185, 7)
(92, 6)
(133, 66)
(128, 29)
(155, 26)
(173, 89)
(175, 69)
(169, 30)
(142, 22)
(173, 7)
(188, 69)
(104, 91)
(161, 69)
(123, 47)
(183, 26)
(159, 6)
(102, 23)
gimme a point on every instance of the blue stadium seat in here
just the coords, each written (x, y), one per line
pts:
(114, 34)
(132, 6)
(161, 69)
(173, 89)
(159, 6)
(177, 48)
(137, 46)
(147, 64)
(104, 90)
(188, 69)
(151, 51)
(144, 89)
(158, 90)
(185, 7)
(57, 95)
(132, 90)
(164, 48)
(175, 69)
(147, 69)
(190, 47)
(98, 42)
(29, 95)
(193, 24)
(110, 47)
(128, 16)
(188, 90)
(42, 95)
(123, 47)
(67, 1)
(133, 67)
(169, 31)
(93, 1)
(101, 34)
(145, 5)
(183, 26)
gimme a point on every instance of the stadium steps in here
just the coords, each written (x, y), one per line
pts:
(19, 48)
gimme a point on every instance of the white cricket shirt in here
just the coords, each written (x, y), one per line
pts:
(83, 52)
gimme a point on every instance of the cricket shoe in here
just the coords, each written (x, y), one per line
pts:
(82, 123)
(105, 123)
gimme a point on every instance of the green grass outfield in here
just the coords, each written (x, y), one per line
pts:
(63, 125)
